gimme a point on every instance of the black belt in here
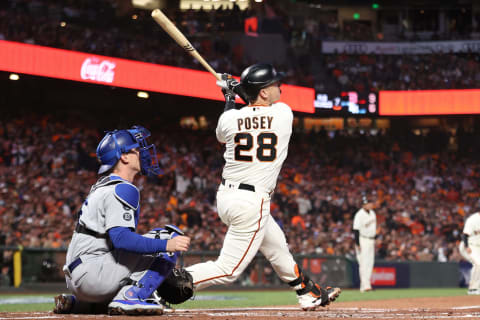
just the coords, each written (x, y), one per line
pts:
(81, 229)
(74, 264)
(371, 238)
(243, 186)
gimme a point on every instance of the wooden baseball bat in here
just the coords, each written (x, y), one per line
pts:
(179, 38)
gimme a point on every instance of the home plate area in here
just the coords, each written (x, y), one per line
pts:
(471, 312)
(451, 308)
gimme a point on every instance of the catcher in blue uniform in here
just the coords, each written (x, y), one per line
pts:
(109, 267)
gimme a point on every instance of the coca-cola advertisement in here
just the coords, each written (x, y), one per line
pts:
(98, 70)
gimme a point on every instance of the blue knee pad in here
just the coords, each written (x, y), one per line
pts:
(153, 278)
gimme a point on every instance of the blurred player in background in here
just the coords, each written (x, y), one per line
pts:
(470, 249)
(256, 138)
(364, 229)
(109, 267)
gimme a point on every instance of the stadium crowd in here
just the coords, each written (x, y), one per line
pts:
(99, 29)
(423, 192)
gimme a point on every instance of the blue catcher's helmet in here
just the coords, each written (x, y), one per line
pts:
(117, 142)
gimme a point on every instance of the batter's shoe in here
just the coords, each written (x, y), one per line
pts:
(63, 303)
(473, 292)
(313, 296)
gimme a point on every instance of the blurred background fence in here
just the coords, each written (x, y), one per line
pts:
(36, 266)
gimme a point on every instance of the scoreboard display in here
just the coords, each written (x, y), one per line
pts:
(398, 103)
(346, 103)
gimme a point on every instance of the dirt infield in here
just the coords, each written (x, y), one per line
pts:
(450, 308)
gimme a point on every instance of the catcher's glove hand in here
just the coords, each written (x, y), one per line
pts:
(177, 287)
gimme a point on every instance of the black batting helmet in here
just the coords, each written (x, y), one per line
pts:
(258, 76)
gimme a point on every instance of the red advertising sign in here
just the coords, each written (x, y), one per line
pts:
(429, 102)
(79, 66)
(385, 276)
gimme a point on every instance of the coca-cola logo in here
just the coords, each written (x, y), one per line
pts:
(98, 70)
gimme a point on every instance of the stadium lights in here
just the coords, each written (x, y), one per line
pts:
(142, 94)
(14, 76)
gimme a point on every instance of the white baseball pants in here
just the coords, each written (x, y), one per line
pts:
(250, 228)
(474, 259)
(365, 258)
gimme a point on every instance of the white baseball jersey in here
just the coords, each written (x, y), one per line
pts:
(366, 223)
(256, 145)
(472, 228)
(256, 140)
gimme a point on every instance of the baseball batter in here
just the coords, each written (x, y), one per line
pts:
(108, 264)
(256, 139)
(364, 229)
(470, 249)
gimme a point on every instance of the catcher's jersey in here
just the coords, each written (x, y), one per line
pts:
(256, 139)
(365, 222)
(472, 228)
(106, 206)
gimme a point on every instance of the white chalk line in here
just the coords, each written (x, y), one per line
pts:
(466, 307)
(36, 317)
(364, 313)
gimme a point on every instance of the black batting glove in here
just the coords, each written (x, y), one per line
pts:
(228, 84)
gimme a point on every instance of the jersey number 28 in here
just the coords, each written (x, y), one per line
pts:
(266, 150)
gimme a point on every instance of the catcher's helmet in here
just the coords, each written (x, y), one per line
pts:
(117, 142)
(259, 76)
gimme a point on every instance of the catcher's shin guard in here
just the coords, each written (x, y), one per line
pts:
(152, 279)
(310, 295)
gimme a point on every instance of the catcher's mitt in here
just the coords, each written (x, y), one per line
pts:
(177, 287)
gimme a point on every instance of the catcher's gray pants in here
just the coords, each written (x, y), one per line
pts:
(99, 278)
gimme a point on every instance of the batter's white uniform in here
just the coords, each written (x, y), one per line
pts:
(472, 229)
(256, 139)
(366, 224)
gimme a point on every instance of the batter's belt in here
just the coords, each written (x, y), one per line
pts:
(371, 238)
(243, 186)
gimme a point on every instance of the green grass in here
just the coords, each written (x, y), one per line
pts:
(259, 298)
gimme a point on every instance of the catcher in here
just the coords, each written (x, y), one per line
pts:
(109, 267)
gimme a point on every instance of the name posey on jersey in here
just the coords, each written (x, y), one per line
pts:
(247, 123)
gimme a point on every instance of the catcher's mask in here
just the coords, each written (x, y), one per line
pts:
(257, 77)
(117, 142)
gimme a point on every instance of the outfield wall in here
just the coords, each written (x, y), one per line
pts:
(38, 265)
